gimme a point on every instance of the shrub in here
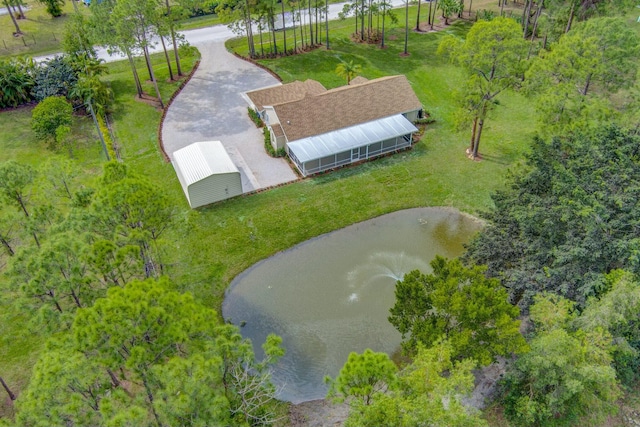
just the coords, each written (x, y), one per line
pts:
(55, 78)
(54, 7)
(269, 148)
(425, 121)
(109, 143)
(16, 82)
(255, 118)
(49, 118)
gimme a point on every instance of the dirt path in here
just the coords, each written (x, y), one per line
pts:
(318, 413)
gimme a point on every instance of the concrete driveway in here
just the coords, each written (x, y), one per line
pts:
(210, 107)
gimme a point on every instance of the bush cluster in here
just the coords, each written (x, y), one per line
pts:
(269, 148)
(23, 81)
(255, 118)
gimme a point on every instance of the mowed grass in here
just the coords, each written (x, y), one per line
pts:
(42, 34)
(207, 247)
(135, 125)
(222, 240)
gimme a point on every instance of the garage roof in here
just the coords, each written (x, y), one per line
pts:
(202, 159)
(328, 144)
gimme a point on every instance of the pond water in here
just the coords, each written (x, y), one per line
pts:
(331, 295)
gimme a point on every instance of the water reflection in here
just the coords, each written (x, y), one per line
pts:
(331, 295)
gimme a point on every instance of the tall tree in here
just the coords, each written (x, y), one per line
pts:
(461, 304)
(566, 378)
(15, 179)
(77, 37)
(134, 20)
(54, 7)
(146, 355)
(363, 377)
(13, 18)
(616, 311)
(406, 28)
(66, 388)
(174, 15)
(55, 280)
(284, 26)
(426, 392)
(8, 231)
(6, 388)
(571, 81)
(15, 185)
(448, 8)
(134, 211)
(237, 15)
(492, 56)
(105, 34)
(566, 219)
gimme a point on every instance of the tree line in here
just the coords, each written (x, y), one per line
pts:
(572, 82)
(124, 345)
(556, 264)
(559, 251)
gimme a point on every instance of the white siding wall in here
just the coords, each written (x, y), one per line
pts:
(182, 182)
(215, 188)
(270, 116)
(412, 116)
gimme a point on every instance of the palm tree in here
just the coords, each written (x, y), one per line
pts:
(406, 28)
(348, 70)
(13, 18)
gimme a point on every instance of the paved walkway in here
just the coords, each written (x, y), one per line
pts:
(210, 107)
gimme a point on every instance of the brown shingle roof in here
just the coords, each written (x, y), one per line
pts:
(284, 93)
(277, 130)
(346, 106)
(358, 80)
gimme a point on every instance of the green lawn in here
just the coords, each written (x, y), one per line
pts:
(207, 247)
(43, 34)
(222, 240)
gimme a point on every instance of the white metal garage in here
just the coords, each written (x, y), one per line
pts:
(206, 173)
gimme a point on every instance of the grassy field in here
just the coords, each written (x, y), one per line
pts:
(209, 246)
(43, 34)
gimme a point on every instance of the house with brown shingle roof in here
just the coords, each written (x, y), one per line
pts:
(322, 129)
(279, 94)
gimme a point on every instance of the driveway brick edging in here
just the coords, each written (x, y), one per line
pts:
(166, 157)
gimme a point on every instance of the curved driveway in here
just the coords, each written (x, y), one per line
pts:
(210, 107)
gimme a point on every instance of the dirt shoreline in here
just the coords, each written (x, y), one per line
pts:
(318, 413)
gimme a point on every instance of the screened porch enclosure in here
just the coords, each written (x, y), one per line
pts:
(342, 147)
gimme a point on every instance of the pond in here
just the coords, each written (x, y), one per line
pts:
(331, 295)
